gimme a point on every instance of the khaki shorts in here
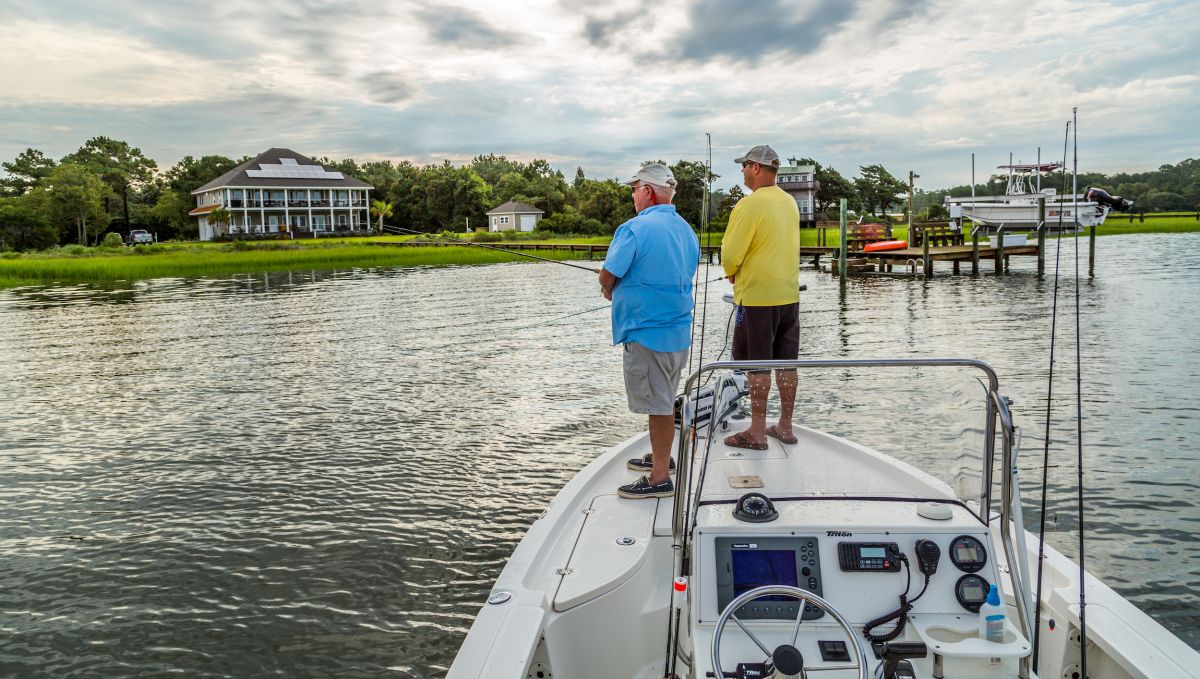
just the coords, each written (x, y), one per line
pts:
(652, 378)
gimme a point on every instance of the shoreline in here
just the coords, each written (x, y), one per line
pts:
(75, 264)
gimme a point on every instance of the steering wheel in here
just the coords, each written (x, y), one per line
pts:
(786, 654)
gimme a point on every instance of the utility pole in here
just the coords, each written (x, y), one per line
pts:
(911, 176)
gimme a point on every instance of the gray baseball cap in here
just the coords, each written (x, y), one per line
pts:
(763, 155)
(654, 173)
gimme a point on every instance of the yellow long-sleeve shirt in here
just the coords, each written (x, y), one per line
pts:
(761, 249)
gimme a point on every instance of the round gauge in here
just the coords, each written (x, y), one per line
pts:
(755, 508)
(971, 591)
(968, 554)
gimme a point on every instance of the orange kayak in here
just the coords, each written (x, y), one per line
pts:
(885, 245)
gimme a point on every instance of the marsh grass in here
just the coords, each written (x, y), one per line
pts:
(76, 264)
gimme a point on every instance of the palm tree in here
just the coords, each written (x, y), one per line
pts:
(381, 209)
(220, 216)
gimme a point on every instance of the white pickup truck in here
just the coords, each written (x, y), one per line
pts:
(140, 237)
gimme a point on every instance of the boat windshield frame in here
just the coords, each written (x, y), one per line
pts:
(997, 418)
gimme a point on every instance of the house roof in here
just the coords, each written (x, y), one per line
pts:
(204, 209)
(514, 206)
(272, 161)
(786, 169)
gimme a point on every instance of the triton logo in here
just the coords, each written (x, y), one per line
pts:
(839, 534)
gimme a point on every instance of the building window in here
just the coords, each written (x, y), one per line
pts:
(504, 220)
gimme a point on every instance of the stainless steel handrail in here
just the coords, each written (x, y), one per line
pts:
(989, 415)
(996, 407)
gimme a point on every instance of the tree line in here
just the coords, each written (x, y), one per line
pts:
(108, 186)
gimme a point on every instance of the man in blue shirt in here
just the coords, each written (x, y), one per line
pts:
(648, 277)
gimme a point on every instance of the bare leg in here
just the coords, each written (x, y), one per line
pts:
(662, 433)
(786, 381)
(760, 390)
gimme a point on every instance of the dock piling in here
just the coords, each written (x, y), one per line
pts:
(926, 262)
(1092, 251)
(974, 250)
(1000, 251)
(842, 240)
(1041, 236)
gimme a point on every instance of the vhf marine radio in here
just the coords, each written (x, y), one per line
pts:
(871, 557)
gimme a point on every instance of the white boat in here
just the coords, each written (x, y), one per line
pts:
(1019, 208)
(807, 543)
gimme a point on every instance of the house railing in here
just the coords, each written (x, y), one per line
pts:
(800, 186)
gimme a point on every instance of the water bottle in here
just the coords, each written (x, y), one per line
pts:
(991, 617)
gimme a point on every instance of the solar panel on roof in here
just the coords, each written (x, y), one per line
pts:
(269, 171)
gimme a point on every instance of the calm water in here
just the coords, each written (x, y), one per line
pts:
(316, 474)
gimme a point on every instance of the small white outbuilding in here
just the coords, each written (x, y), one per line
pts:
(513, 216)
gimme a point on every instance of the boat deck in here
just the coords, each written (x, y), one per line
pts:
(847, 469)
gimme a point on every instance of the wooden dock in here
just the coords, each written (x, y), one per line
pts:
(885, 263)
(914, 258)
(586, 250)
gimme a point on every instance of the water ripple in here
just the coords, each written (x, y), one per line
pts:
(314, 474)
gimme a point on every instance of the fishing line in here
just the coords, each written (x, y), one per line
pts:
(561, 318)
(694, 357)
(397, 230)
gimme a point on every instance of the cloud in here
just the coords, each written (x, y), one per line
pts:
(600, 31)
(387, 87)
(915, 85)
(742, 32)
(49, 63)
(462, 28)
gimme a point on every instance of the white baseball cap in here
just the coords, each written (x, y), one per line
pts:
(654, 173)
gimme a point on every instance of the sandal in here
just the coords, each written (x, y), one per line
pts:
(740, 440)
(774, 433)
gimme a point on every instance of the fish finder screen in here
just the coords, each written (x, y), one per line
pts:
(759, 567)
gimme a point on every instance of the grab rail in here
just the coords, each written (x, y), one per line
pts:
(996, 408)
(989, 414)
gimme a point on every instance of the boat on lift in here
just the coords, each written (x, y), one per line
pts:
(1018, 209)
(819, 558)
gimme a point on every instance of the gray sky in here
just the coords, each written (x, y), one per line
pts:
(914, 84)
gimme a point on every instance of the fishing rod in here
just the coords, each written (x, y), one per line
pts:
(1037, 614)
(399, 230)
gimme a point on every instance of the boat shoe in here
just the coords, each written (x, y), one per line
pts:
(642, 488)
(645, 463)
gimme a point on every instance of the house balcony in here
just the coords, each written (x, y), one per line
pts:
(800, 186)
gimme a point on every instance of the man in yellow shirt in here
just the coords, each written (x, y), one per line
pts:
(761, 257)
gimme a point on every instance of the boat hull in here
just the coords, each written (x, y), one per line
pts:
(1022, 212)
(565, 616)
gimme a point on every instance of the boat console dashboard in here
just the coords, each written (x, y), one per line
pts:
(859, 554)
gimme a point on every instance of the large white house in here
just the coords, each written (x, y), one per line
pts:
(282, 191)
(800, 182)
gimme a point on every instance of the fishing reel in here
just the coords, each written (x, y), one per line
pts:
(720, 399)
